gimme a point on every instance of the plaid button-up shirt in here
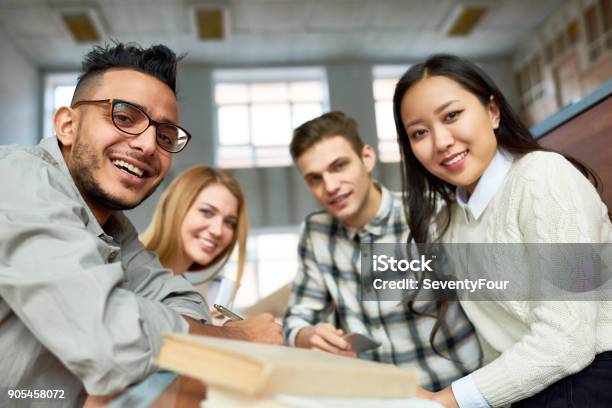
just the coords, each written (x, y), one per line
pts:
(326, 289)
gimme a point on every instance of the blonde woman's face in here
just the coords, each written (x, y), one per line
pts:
(210, 224)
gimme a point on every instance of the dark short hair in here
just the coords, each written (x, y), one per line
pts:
(329, 124)
(158, 61)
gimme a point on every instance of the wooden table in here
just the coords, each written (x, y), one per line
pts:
(184, 392)
(160, 390)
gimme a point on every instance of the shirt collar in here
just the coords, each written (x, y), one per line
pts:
(51, 145)
(487, 186)
(377, 225)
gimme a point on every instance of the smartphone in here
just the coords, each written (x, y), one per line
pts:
(360, 342)
(227, 312)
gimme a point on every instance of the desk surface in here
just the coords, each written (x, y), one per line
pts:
(162, 389)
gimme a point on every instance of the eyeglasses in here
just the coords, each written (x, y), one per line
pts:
(132, 120)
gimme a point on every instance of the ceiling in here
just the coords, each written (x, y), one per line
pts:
(278, 31)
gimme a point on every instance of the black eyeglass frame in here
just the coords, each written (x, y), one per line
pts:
(113, 102)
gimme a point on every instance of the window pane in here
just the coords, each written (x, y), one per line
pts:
(231, 93)
(277, 246)
(525, 75)
(62, 96)
(275, 274)
(304, 112)
(573, 31)
(259, 109)
(277, 255)
(518, 82)
(536, 73)
(235, 156)
(272, 156)
(248, 293)
(270, 125)
(269, 92)
(58, 91)
(606, 8)
(384, 89)
(233, 125)
(592, 30)
(305, 91)
(549, 52)
(385, 124)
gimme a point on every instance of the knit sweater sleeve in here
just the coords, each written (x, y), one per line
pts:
(556, 204)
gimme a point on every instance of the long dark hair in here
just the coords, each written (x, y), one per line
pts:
(422, 190)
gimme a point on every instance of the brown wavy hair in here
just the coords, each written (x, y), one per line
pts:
(163, 234)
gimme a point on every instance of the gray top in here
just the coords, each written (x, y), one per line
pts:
(80, 306)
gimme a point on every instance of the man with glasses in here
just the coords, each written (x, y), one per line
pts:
(82, 304)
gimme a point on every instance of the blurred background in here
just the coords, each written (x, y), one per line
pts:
(255, 69)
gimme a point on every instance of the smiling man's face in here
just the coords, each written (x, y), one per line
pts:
(338, 178)
(114, 170)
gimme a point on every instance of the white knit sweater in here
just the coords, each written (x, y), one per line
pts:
(542, 199)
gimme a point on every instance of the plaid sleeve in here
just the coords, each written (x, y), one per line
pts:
(309, 301)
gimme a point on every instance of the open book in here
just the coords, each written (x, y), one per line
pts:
(266, 370)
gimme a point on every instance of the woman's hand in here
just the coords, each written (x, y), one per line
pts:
(445, 397)
(98, 401)
(424, 394)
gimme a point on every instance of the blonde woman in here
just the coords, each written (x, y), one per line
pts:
(199, 220)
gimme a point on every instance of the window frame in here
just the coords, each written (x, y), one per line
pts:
(249, 77)
(52, 81)
(385, 72)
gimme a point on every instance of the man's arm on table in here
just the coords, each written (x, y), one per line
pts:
(146, 277)
(55, 278)
(259, 329)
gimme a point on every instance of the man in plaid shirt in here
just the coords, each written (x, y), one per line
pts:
(324, 302)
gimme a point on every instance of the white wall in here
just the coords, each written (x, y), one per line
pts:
(19, 96)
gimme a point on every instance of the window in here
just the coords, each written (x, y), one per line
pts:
(593, 31)
(59, 89)
(272, 262)
(549, 52)
(573, 32)
(257, 111)
(606, 9)
(592, 26)
(536, 71)
(530, 81)
(385, 78)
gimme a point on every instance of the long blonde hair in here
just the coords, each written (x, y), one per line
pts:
(163, 234)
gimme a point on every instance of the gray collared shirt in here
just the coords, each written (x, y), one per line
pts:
(81, 307)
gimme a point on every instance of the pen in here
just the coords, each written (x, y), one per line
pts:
(227, 312)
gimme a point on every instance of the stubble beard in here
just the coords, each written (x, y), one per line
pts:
(360, 204)
(83, 163)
